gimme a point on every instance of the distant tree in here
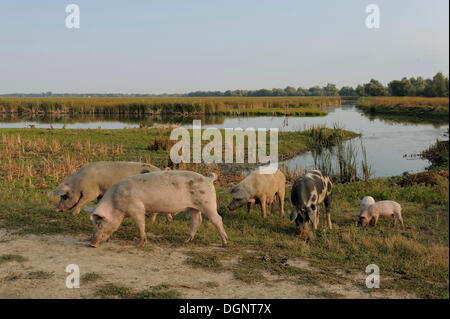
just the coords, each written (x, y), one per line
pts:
(330, 90)
(375, 88)
(290, 91)
(347, 91)
(360, 90)
(400, 88)
(316, 91)
(302, 92)
(278, 92)
(440, 85)
(417, 86)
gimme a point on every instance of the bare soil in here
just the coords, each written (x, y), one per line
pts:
(123, 264)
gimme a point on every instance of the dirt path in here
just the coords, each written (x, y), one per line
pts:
(123, 264)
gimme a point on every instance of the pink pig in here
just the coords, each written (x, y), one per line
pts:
(382, 208)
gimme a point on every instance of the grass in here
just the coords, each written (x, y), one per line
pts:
(90, 277)
(414, 106)
(118, 291)
(185, 105)
(39, 275)
(8, 258)
(415, 258)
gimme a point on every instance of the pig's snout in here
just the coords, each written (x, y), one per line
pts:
(58, 210)
(94, 245)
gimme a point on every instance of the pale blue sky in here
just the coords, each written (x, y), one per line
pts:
(180, 46)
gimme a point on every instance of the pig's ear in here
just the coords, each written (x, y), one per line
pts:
(101, 213)
(89, 209)
(60, 190)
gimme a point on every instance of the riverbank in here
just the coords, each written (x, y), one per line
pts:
(182, 106)
(409, 106)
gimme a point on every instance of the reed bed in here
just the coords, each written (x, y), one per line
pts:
(182, 105)
(421, 106)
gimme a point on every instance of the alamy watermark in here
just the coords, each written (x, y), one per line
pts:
(73, 280)
(73, 17)
(373, 19)
(373, 279)
(212, 152)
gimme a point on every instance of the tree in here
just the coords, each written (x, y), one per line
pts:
(330, 90)
(375, 88)
(360, 90)
(347, 91)
(290, 91)
(399, 88)
(315, 91)
(439, 85)
(302, 92)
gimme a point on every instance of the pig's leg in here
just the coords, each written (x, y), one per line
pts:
(153, 217)
(394, 220)
(249, 207)
(327, 209)
(281, 198)
(263, 206)
(216, 219)
(137, 213)
(196, 220)
(375, 220)
(85, 199)
(399, 216)
(169, 218)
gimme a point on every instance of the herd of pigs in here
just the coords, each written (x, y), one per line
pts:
(130, 189)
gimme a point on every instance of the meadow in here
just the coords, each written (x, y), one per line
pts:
(413, 260)
(306, 106)
(414, 106)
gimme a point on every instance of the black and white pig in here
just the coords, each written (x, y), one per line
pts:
(308, 192)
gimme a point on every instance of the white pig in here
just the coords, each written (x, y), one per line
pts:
(159, 191)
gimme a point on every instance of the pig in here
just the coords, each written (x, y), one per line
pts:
(381, 208)
(308, 192)
(92, 181)
(262, 186)
(157, 191)
(365, 203)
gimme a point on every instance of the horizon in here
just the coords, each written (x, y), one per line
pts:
(177, 48)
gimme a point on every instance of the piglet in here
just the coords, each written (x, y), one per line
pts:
(365, 203)
(382, 208)
(158, 191)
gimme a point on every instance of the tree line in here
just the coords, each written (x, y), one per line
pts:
(438, 86)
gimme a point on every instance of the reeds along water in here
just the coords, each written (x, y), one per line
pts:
(341, 162)
(184, 105)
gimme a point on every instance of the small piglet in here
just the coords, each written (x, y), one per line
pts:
(159, 191)
(382, 208)
(365, 203)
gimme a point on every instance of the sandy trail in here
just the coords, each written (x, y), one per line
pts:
(123, 264)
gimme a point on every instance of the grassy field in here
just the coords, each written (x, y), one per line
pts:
(414, 259)
(414, 106)
(215, 105)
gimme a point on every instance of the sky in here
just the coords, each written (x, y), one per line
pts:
(177, 46)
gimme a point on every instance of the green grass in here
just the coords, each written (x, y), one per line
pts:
(90, 277)
(8, 258)
(39, 275)
(118, 291)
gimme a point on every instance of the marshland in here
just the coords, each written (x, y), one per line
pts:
(365, 154)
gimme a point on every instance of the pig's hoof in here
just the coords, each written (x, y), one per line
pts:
(224, 245)
(187, 240)
(93, 245)
(141, 243)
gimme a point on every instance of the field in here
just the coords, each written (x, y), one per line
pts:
(265, 258)
(414, 106)
(299, 106)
